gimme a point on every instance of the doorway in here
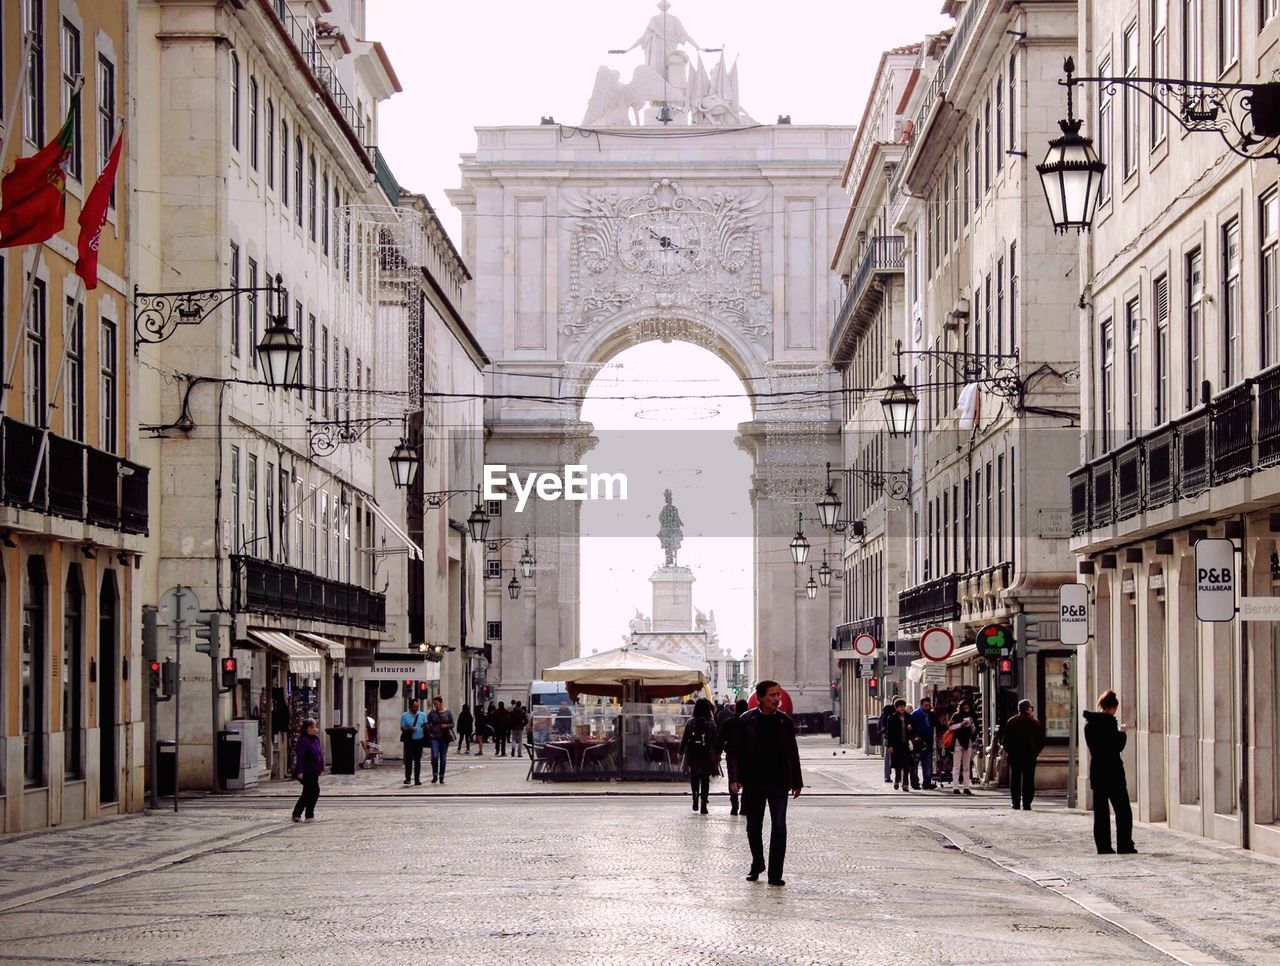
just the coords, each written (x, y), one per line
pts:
(108, 690)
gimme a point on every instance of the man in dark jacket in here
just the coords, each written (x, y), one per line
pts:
(1023, 739)
(885, 714)
(764, 765)
(1106, 739)
(924, 725)
(728, 729)
(897, 738)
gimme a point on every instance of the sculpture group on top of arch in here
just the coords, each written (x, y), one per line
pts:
(666, 255)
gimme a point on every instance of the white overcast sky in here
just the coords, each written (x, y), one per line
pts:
(485, 63)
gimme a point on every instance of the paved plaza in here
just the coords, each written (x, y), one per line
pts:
(491, 869)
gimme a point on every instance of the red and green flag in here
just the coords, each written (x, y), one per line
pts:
(33, 196)
(93, 215)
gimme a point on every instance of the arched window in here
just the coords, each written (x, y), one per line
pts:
(35, 673)
(73, 675)
(297, 180)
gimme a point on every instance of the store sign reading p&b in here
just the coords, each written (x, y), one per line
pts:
(1215, 580)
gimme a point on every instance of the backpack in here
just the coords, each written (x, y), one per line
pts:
(699, 742)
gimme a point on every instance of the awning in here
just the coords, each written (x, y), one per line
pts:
(915, 671)
(962, 654)
(415, 552)
(337, 652)
(302, 659)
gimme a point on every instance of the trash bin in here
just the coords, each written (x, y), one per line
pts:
(834, 724)
(228, 756)
(342, 750)
(873, 731)
(166, 765)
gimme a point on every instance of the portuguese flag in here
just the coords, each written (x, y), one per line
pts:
(33, 201)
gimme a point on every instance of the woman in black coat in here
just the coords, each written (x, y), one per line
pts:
(1106, 739)
(700, 749)
(898, 739)
(466, 727)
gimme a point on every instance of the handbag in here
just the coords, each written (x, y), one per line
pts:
(407, 733)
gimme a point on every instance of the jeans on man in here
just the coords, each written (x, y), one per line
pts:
(1022, 780)
(439, 752)
(500, 741)
(888, 760)
(516, 737)
(1118, 798)
(925, 759)
(413, 760)
(311, 793)
(754, 801)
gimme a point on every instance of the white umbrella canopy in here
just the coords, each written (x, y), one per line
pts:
(650, 675)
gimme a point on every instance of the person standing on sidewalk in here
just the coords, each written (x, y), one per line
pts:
(308, 767)
(482, 728)
(924, 725)
(885, 714)
(764, 766)
(1023, 738)
(411, 734)
(515, 728)
(466, 728)
(1106, 739)
(898, 740)
(700, 750)
(440, 731)
(728, 733)
(501, 721)
(964, 730)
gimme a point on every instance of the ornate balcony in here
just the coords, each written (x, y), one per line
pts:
(1234, 436)
(932, 602)
(74, 481)
(266, 587)
(884, 256)
(846, 633)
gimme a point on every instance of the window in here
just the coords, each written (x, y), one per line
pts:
(235, 101)
(324, 224)
(493, 508)
(1194, 354)
(999, 327)
(1160, 304)
(297, 180)
(335, 533)
(324, 370)
(986, 145)
(999, 115)
(33, 120)
(1105, 152)
(251, 502)
(36, 355)
(284, 161)
(1269, 234)
(965, 205)
(346, 380)
(978, 559)
(986, 519)
(106, 114)
(986, 318)
(334, 382)
(235, 300)
(73, 422)
(311, 195)
(1228, 33)
(1001, 551)
(73, 675)
(1159, 65)
(1267, 10)
(1013, 101)
(977, 163)
(297, 321)
(1232, 341)
(253, 123)
(1129, 102)
(299, 527)
(1013, 296)
(492, 568)
(251, 281)
(271, 143)
(269, 509)
(35, 672)
(1133, 377)
(1192, 45)
(1106, 388)
(70, 78)
(107, 384)
(336, 212)
(311, 353)
(237, 526)
(319, 534)
(493, 630)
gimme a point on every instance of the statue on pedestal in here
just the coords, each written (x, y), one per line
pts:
(669, 533)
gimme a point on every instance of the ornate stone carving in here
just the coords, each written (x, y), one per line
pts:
(667, 255)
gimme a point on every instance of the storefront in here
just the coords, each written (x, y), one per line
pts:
(284, 688)
(387, 689)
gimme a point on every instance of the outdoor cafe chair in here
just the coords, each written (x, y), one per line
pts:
(596, 757)
(550, 758)
(656, 754)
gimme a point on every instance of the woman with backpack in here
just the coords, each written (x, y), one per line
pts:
(700, 750)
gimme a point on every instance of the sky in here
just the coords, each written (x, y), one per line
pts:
(510, 62)
(477, 63)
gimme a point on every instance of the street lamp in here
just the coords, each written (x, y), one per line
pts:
(280, 349)
(899, 404)
(1071, 173)
(478, 525)
(799, 543)
(404, 461)
(829, 505)
(824, 572)
(811, 587)
(513, 588)
(527, 561)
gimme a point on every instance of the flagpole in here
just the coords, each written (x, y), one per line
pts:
(67, 326)
(20, 330)
(28, 39)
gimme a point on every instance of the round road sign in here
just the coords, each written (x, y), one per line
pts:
(936, 644)
(865, 645)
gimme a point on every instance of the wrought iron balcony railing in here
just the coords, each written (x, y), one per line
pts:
(847, 632)
(884, 256)
(303, 36)
(266, 587)
(932, 602)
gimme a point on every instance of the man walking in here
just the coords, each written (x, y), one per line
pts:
(440, 728)
(1023, 739)
(1106, 739)
(924, 725)
(411, 735)
(764, 766)
(887, 713)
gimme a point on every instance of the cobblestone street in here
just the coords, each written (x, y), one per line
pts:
(491, 870)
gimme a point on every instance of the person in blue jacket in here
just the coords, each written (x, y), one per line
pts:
(924, 725)
(307, 768)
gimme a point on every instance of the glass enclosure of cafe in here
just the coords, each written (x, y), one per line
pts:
(601, 740)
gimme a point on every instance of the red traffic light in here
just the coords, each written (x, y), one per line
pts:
(423, 686)
(1006, 666)
(228, 664)
(874, 683)
(155, 667)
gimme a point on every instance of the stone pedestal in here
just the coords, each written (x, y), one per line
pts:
(672, 599)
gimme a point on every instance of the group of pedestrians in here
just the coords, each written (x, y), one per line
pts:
(502, 725)
(912, 737)
(435, 727)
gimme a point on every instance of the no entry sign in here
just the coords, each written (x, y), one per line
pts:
(1215, 580)
(936, 644)
(865, 645)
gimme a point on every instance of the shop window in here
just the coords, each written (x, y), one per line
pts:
(1055, 685)
(73, 675)
(35, 673)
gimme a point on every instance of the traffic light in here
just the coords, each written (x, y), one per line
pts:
(209, 632)
(408, 688)
(423, 688)
(228, 673)
(1004, 674)
(873, 686)
(169, 678)
(153, 672)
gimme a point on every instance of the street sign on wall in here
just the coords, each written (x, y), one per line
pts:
(900, 653)
(1215, 580)
(865, 645)
(1073, 614)
(936, 644)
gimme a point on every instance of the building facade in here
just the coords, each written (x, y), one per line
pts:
(74, 512)
(259, 153)
(1180, 339)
